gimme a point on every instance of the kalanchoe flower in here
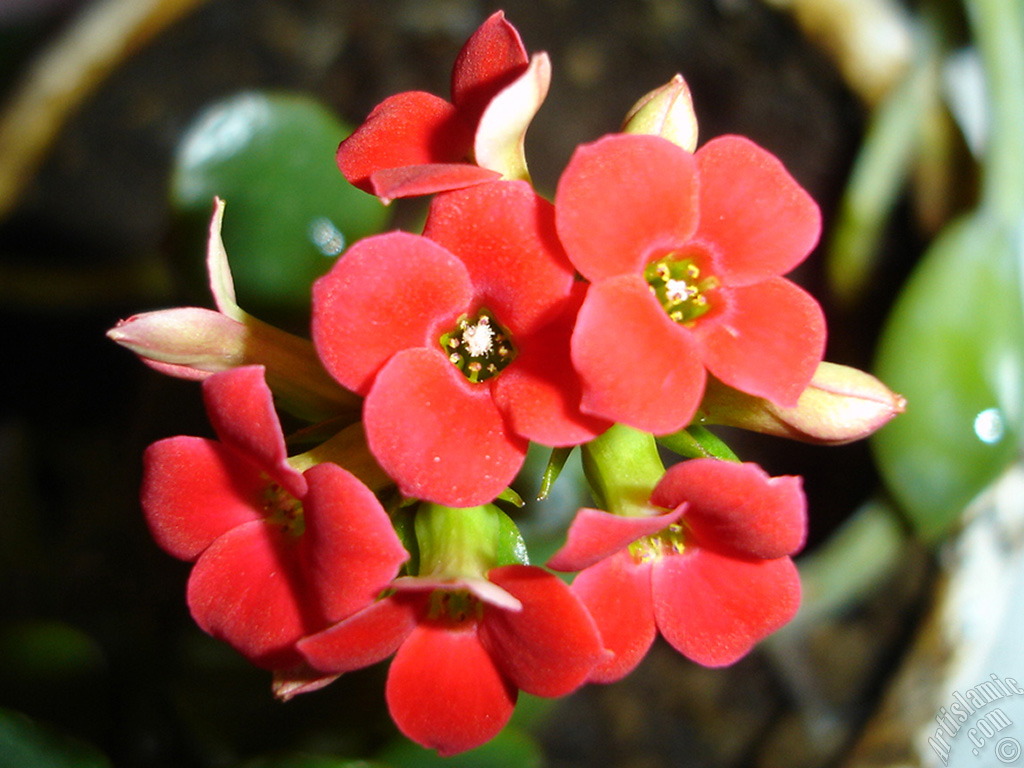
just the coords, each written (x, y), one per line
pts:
(466, 637)
(278, 554)
(415, 143)
(685, 254)
(458, 340)
(840, 405)
(194, 343)
(708, 565)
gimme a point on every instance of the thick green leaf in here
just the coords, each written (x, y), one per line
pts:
(289, 209)
(954, 346)
(25, 743)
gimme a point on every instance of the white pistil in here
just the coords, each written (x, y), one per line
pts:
(478, 338)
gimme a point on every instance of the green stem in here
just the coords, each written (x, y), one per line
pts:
(622, 467)
(998, 27)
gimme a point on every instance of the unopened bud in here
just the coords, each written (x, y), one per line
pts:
(667, 112)
(840, 405)
(193, 343)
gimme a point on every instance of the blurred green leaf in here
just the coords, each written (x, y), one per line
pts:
(509, 749)
(25, 743)
(289, 209)
(954, 346)
(879, 175)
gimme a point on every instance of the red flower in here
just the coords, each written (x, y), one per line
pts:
(464, 650)
(278, 554)
(457, 340)
(712, 574)
(685, 254)
(415, 143)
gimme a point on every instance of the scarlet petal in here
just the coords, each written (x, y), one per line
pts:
(387, 293)
(623, 201)
(246, 589)
(617, 593)
(737, 509)
(636, 365)
(194, 490)
(595, 535)
(505, 235)
(411, 128)
(350, 550)
(770, 344)
(713, 608)
(551, 645)
(444, 690)
(439, 436)
(411, 180)
(540, 395)
(363, 639)
(760, 220)
(241, 409)
(492, 58)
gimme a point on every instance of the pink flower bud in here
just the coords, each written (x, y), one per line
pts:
(667, 112)
(840, 405)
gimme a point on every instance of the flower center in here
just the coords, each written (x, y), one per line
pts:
(283, 509)
(670, 541)
(680, 287)
(478, 346)
(453, 606)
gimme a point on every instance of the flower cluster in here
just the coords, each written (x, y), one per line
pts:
(649, 295)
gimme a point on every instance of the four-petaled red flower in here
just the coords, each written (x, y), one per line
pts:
(464, 652)
(458, 340)
(278, 554)
(415, 143)
(709, 568)
(685, 254)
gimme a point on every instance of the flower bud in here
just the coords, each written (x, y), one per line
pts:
(667, 112)
(840, 405)
(193, 343)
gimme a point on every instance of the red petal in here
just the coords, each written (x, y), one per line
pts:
(241, 409)
(713, 608)
(769, 343)
(595, 535)
(757, 217)
(439, 436)
(493, 57)
(246, 589)
(413, 180)
(551, 645)
(505, 235)
(194, 490)
(540, 395)
(737, 509)
(624, 201)
(617, 593)
(387, 293)
(411, 128)
(636, 365)
(369, 636)
(350, 551)
(444, 690)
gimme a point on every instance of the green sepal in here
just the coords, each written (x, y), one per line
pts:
(697, 442)
(553, 469)
(511, 546)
